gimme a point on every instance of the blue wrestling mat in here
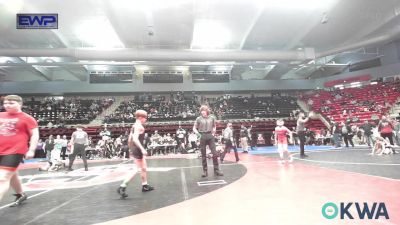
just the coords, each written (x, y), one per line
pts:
(291, 148)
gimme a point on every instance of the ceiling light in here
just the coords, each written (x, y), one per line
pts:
(98, 33)
(5, 59)
(142, 68)
(51, 59)
(149, 5)
(13, 6)
(97, 67)
(38, 67)
(296, 4)
(181, 68)
(210, 34)
(31, 59)
(220, 68)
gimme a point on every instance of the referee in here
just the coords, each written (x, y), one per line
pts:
(79, 140)
(300, 130)
(205, 127)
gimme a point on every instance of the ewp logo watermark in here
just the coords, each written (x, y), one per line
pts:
(37, 21)
(331, 210)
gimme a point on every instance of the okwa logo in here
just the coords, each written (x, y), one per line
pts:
(346, 210)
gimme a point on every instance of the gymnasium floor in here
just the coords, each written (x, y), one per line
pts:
(257, 190)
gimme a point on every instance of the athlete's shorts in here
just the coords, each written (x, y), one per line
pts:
(283, 141)
(10, 162)
(282, 147)
(137, 153)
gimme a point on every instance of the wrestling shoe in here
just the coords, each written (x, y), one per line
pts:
(122, 192)
(218, 173)
(19, 198)
(146, 188)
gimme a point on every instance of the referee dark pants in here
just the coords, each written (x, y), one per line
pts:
(78, 149)
(228, 146)
(302, 139)
(208, 139)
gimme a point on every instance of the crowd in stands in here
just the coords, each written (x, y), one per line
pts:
(179, 107)
(58, 112)
(360, 115)
(53, 113)
(357, 116)
(159, 108)
(227, 107)
(355, 104)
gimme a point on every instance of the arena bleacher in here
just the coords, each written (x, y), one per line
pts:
(65, 112)
(166, 113)
(369, 102)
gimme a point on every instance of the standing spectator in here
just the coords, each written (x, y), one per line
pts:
(146, 141)
(58, 142)
(243, 138)
(39, 153)
(118, 144)
(347, 134)
(227, 137)
(181, 139)
(336, 131)
(397, 131)
(385, 128)
(64, 145)
(48, 147)
(125, 148)
(367, 128)
(252, 138)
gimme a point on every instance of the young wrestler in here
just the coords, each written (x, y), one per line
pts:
(281, 140)
(19, 135)
(135, 143)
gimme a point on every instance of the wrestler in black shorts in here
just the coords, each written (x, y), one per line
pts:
(11, 162)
